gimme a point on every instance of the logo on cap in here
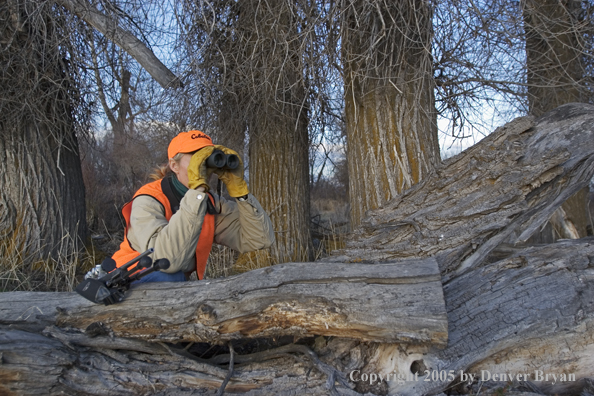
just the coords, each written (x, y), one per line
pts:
(199, 136)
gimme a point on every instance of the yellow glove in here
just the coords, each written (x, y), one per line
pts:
(233, 178)
(198, 173)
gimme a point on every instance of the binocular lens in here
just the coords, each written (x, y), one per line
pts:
(219, 159)
(232, 161)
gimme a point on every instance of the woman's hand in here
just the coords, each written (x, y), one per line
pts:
(198, 173)
(233, 178)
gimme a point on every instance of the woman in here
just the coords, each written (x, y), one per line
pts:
(178, 217)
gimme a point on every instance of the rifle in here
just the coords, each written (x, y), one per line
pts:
(107, 284)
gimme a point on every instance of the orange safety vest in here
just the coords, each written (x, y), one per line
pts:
(156, 190)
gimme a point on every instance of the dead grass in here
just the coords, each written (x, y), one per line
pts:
(31, 271)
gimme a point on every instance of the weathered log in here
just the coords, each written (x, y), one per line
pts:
(59, 362)
(403, 302)
(533, 310)
(124, 39)
(498, 191)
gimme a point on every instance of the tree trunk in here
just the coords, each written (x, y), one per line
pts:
(42, 191)
(500, 313)
(554, 57)
(530, 312)
(41, 185)
(555, 70)
(405, 305)
(511, 310)
(279, 177)
(404, 299)
(498, 191)
(278, 127)
(256, 59)
(389, 103)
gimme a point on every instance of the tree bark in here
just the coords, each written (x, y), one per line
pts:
(277, 123)
(42, 205)
(498, 191)
(530, 311)
(554, 53)
(555, 46)
(279, 177)
(405, 305)
(389, 104)
(404, 300)
(494, 194)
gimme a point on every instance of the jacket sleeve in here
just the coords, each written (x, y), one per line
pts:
(243, 225)
(175, 239)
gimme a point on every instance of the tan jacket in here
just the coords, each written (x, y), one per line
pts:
(242, 226)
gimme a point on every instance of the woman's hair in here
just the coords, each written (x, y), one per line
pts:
(163, 170)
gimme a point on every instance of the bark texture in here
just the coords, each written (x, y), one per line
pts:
(279, 177)
(389, 103)
(42, 209)
(508, 308)
(255, 53)
(555, 61)
(555, 46)
(498, 191)
(532, 310)
(405, 305)
(278, 126)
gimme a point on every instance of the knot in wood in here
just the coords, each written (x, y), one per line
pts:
(207, 312)
(96, 329)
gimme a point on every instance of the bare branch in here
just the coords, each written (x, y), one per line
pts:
(126, 40)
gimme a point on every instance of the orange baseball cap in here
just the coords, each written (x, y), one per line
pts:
(187, 142)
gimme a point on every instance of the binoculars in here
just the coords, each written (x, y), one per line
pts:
(219, 159)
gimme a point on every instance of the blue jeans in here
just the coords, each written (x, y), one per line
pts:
(159, 276)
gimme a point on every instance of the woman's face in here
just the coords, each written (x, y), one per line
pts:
(181, 168)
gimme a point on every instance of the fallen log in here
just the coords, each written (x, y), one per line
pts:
(530, 314)
(61, 362)
(502, 190)
(519, 311)
(389, 302)
(403, 302)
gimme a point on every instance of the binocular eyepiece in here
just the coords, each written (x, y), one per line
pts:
(218, 159)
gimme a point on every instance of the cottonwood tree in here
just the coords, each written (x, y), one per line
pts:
(257, 56)
(505, 58)
(557, 53)
(389, 99)
(43, 107)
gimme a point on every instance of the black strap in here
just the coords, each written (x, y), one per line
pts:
(174, 200)
(210, 208)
